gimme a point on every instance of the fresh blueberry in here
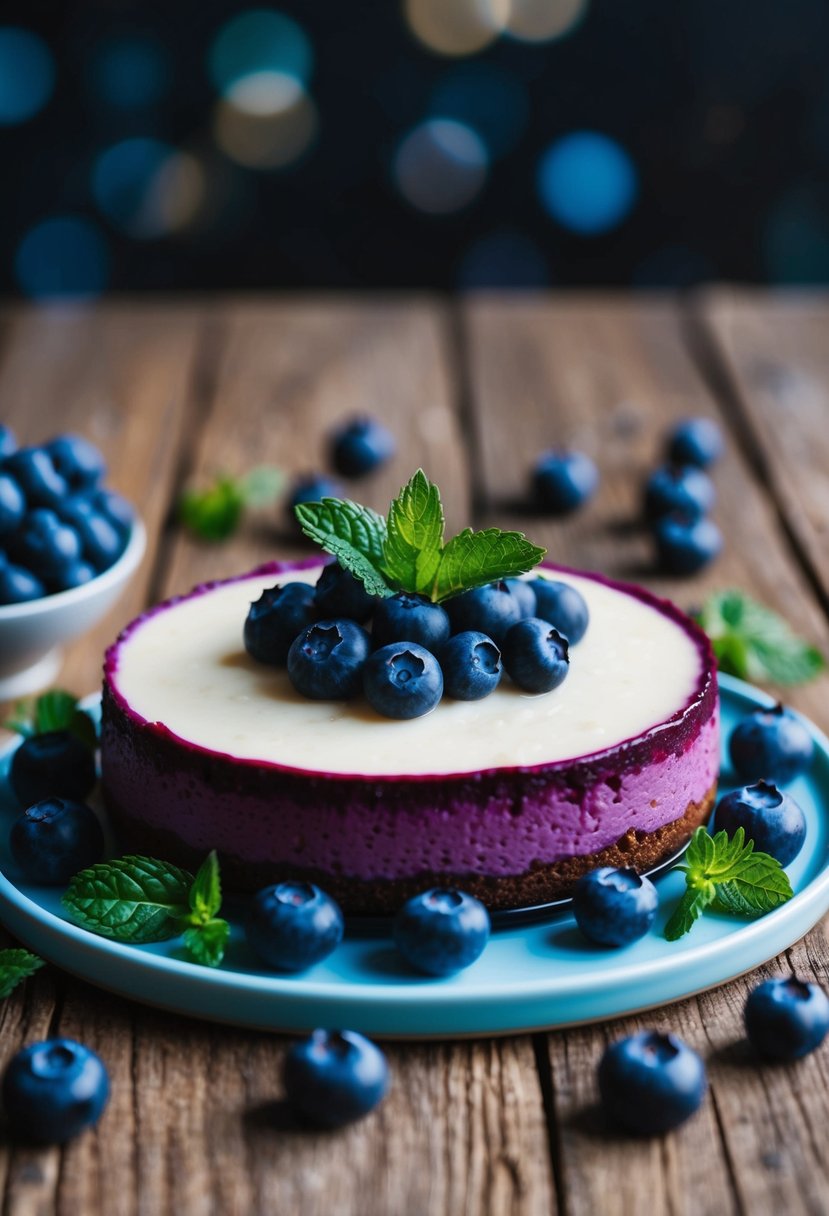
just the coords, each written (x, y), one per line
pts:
(471, 664)
(8, 442)
(522, 589)
(678, 488)
(685, 545)
(325, 661)
(54, 839)
(12, 505)
(563, 481)
(77, 460)
(18, 586)
(294, 925)
(771, 743)
(55, 763)
(102, 543)
(535, 655)
(650, 1083)
(614, 907)
(334, 1077)
(115, 509)
(786, 1018)
(409, 618)
(311, 487)
(35, 473)
(491, 609)
(75, 575)
(696, 441)
(360, 446)
(402, 680)
(53, 1090)
(278, 616)
(441, 931)
(339, 593)
(772, 819)
(46, 546)
(563, 606)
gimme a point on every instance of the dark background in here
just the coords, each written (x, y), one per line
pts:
(561, 142)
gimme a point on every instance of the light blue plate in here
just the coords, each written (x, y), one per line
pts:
(529, 977)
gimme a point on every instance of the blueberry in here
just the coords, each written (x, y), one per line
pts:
(678, 488)
(325, 661)
(115, 509)
(55, 763)
(771, 743)
(491, 609)
(12, 505)
(102, 542)
(77, 574)
(18, 586)
(614, 907)
(535, 655)
(685, 545)
(786, 1018)
(563, 481)
(772, 819)
(334, 1077)
(339, 593)
(360, 446)
(402, 680)
(277, 617)
(471, 664)
(8, 443)
(77, 460)
(696, 441)
(46, 546)
(441, 931)
(311, 487)
(54, 839)
(35, 473)
(409, 618)
(293, 925)
(650, 1083)
(53, 1090)
(563, 606)
(522, 589)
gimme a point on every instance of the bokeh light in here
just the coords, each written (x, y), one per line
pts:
(259, 40)
(440, 166)
(587, 182)
(63, 256)
(27, 75)
(266, 139)
(146, 187)
(130, 73)
(542, 20)
(504, 259)
(457, 27)
(487, 99)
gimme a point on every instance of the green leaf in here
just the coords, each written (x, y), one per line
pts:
(206, 943)
(689, 909)
(262, 485)
(206, 892)
(134, 899)
(754, 643)
(472, 559)
(414, 539)
(354, 534)
(54, 710)
(760, 885)
(15, 966)
(213, 514)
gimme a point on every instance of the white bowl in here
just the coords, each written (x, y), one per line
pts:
(32, 633)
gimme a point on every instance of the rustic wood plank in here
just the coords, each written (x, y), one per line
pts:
(609, 376)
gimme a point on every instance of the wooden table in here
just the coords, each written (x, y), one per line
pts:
(474, 390)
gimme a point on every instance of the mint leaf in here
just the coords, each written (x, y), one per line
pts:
(262, 485)
(15, 966)
(754, 643)
(760, 885)
(414, 538)
(689, 909)
(213, 514)
(54, 710)
(134, 899)
(206, 943)
(205, 896)
(355, 535)
(472, 559)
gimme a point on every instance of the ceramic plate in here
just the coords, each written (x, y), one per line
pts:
(529, 977)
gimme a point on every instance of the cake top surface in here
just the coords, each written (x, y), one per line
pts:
(183, 665)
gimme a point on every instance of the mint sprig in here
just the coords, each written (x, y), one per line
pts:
(16, 965)
(215, 512)
(407, 552)
(754, 643)
(727, 875)
(205, 934)
(53, 711)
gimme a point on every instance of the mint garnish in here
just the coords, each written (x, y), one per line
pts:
(754, 643)
(215, 513)
(728, 876)
(52, 711)
(407, 552)
(140, 900)
(16, 965)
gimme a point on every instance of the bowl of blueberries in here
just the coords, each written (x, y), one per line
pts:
(68, 547)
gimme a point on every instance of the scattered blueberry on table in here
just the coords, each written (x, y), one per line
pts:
(695, 441)
(768, 816)
(54, 839)
(335, 1077)
(650, 1083)
(54, 1089)
(771, 743)
(786, 1018)
(563, 481)
(441, 931)
(686, 545)
(678, 488)
(614, 907)
(360, 446)
(293, 925)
